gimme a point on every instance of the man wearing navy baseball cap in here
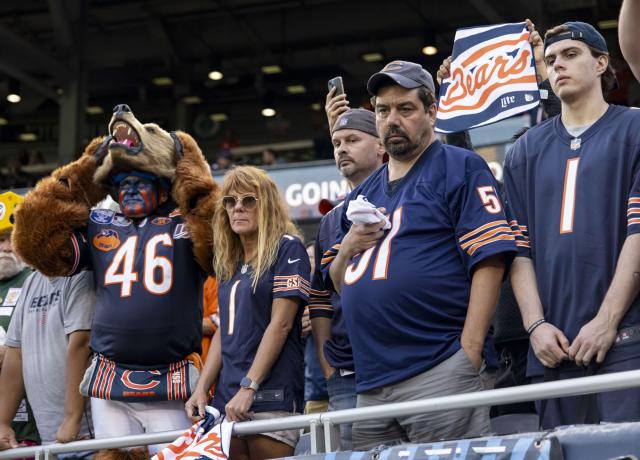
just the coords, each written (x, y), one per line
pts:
(419, 299)
(573, 188)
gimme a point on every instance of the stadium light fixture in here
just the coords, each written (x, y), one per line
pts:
(372, 57)
(430, 50)
(216, 75)
(162, 81)
(218, 117)
(296, 89)
(271, 69)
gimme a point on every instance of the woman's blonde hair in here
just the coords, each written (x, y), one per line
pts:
(273, 223)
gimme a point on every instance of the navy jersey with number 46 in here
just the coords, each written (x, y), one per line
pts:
(573, 203)
(405, 300)
(244, 317)
(149, 289)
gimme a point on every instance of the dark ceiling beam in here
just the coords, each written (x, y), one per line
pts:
(61, 26)
(31, 52)
(28, 80)
(159, 30)
(487, 11)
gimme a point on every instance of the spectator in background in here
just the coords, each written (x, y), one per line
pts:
(210, 319)
(256, 358)
(47, 355)
(418, 302)
(270, 158)
(575, 276)
(316, 398)
(13, 273)
(358, 152)
(224, 160)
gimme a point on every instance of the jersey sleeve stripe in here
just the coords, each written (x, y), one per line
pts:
(484, 227)
(485, 235)
(501, 237)
(329, 255)
(634, 221)
(634, 200)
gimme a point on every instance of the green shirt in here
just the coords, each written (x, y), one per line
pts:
(23, 424)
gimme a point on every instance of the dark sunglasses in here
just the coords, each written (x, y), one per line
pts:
(247, 201)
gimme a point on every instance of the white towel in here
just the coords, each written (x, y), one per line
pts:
(361, 211)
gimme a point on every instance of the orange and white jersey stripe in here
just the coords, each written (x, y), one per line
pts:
(491, 232)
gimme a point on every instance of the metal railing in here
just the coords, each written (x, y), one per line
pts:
(324, 427)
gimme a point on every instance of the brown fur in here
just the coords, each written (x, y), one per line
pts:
(57, 206)
(157, 156)
(139, 453)
(196, 193)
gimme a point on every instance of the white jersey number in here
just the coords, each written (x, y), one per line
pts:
(489, 199)
(158, 271)
(381, 265)
(569, 195)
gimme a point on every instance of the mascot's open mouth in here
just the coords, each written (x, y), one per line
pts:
(126, 136)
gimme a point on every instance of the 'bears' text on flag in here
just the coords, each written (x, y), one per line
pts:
(492, 77)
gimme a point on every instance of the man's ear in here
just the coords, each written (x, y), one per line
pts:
(602, 62)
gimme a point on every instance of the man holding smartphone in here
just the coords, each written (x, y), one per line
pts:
(358, 152)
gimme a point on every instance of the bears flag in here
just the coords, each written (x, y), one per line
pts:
(493, 77)
(209, 439)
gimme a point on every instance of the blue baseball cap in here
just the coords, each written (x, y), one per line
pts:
(404, 73)
(583, 32)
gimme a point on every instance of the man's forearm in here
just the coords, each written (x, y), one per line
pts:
(485, 289)
(629, 35)
(12, 385)
(337, 270)
(321, 334)
(625, 284)
(76, 362)
(525, 289)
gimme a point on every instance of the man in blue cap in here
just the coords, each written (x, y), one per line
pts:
(419, 297)
(573, 190)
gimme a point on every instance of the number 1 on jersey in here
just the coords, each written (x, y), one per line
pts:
(569, 195)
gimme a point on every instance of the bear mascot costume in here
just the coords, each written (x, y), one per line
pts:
(149, 262)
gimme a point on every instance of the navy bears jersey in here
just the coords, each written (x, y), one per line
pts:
(405, 300)
(325, 302)
(573, 202)
(245, 315)
(149, 289)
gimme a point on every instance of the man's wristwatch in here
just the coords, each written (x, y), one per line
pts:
(249, 384)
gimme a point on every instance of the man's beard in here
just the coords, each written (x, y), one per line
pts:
(398, 149)
(10, 265)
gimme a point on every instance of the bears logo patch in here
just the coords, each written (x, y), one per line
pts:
(102, 216)
(106, 240)
(161, 221)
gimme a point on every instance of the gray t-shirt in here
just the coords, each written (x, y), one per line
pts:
(48, 311)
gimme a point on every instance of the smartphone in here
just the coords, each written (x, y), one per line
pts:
(337, 84)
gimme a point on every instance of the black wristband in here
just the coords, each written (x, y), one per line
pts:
(534, 325)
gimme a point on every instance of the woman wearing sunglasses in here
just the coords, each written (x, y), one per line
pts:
(256, 356)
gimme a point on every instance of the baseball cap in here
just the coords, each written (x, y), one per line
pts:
(582, 31)
(359, 119)
(325, 205)
(406, 74)
(8, 203)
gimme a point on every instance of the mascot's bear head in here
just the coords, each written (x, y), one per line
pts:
(136, 146)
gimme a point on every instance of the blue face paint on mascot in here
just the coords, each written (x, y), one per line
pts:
(139, 193)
